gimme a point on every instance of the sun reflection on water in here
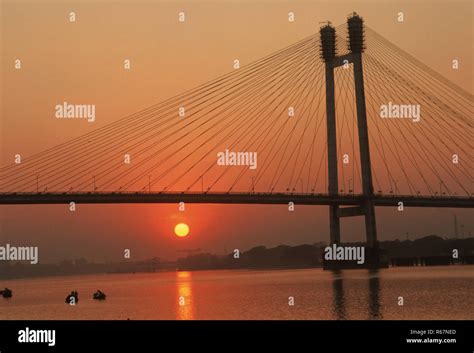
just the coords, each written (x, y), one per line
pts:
(184, 293)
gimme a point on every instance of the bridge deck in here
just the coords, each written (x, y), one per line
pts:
(231, 198)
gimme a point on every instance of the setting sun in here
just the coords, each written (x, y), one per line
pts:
(181, 230)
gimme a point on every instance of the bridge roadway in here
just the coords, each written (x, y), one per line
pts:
(231, 198)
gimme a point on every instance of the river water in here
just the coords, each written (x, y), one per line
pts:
(445, 292)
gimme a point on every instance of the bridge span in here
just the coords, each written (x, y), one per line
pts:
(232, 198)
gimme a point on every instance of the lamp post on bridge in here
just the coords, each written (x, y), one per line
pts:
(441, 184)
(302, 187)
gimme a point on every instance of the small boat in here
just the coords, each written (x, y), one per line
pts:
(99, 295)
(6, 293)
(72, 298)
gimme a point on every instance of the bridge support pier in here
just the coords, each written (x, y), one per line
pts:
(334, 224)
(366, 168)
(332, 61)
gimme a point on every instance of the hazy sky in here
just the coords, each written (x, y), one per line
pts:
(82, 61)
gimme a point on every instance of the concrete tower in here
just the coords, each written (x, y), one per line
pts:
(355, 25)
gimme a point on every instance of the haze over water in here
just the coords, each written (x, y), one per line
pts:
(440, 293)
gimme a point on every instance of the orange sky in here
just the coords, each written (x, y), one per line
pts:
(82, 62)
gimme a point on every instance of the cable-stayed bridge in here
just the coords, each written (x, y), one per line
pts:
(340, 118)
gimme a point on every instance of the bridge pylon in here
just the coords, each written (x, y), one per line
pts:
(329, 55)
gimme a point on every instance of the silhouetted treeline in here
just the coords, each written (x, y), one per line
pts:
(304, 256)
(431, 245)
(80, 266)
(260, 257)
